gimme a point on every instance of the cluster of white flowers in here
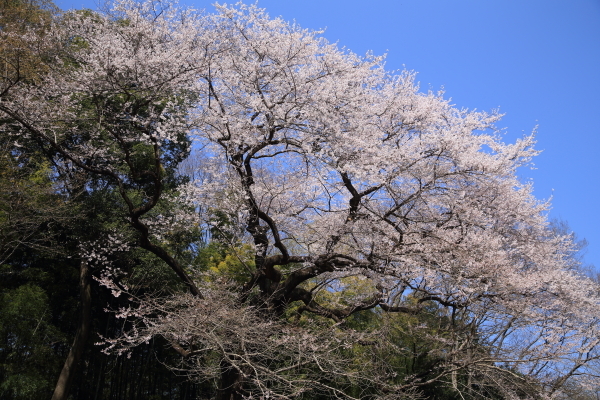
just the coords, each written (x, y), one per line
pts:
(99, 254)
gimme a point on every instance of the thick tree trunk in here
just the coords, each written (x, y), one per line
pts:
(61, 391)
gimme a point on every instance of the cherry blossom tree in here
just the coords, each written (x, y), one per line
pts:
(358, 194)
(341, 168)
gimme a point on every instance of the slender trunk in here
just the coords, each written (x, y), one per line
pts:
(65, 379)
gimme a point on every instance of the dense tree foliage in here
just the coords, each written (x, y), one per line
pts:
(268, 216)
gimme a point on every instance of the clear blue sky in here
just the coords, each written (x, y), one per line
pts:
(538, 61)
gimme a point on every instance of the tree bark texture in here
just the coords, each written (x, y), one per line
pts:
(65, 379)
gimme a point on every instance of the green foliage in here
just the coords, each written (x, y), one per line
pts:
(17, 61)
(234, 264)
(28, 202)
(27, 359)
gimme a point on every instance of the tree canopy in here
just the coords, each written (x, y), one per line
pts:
(291, 218)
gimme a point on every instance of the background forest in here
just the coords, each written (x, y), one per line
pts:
(227, 206)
